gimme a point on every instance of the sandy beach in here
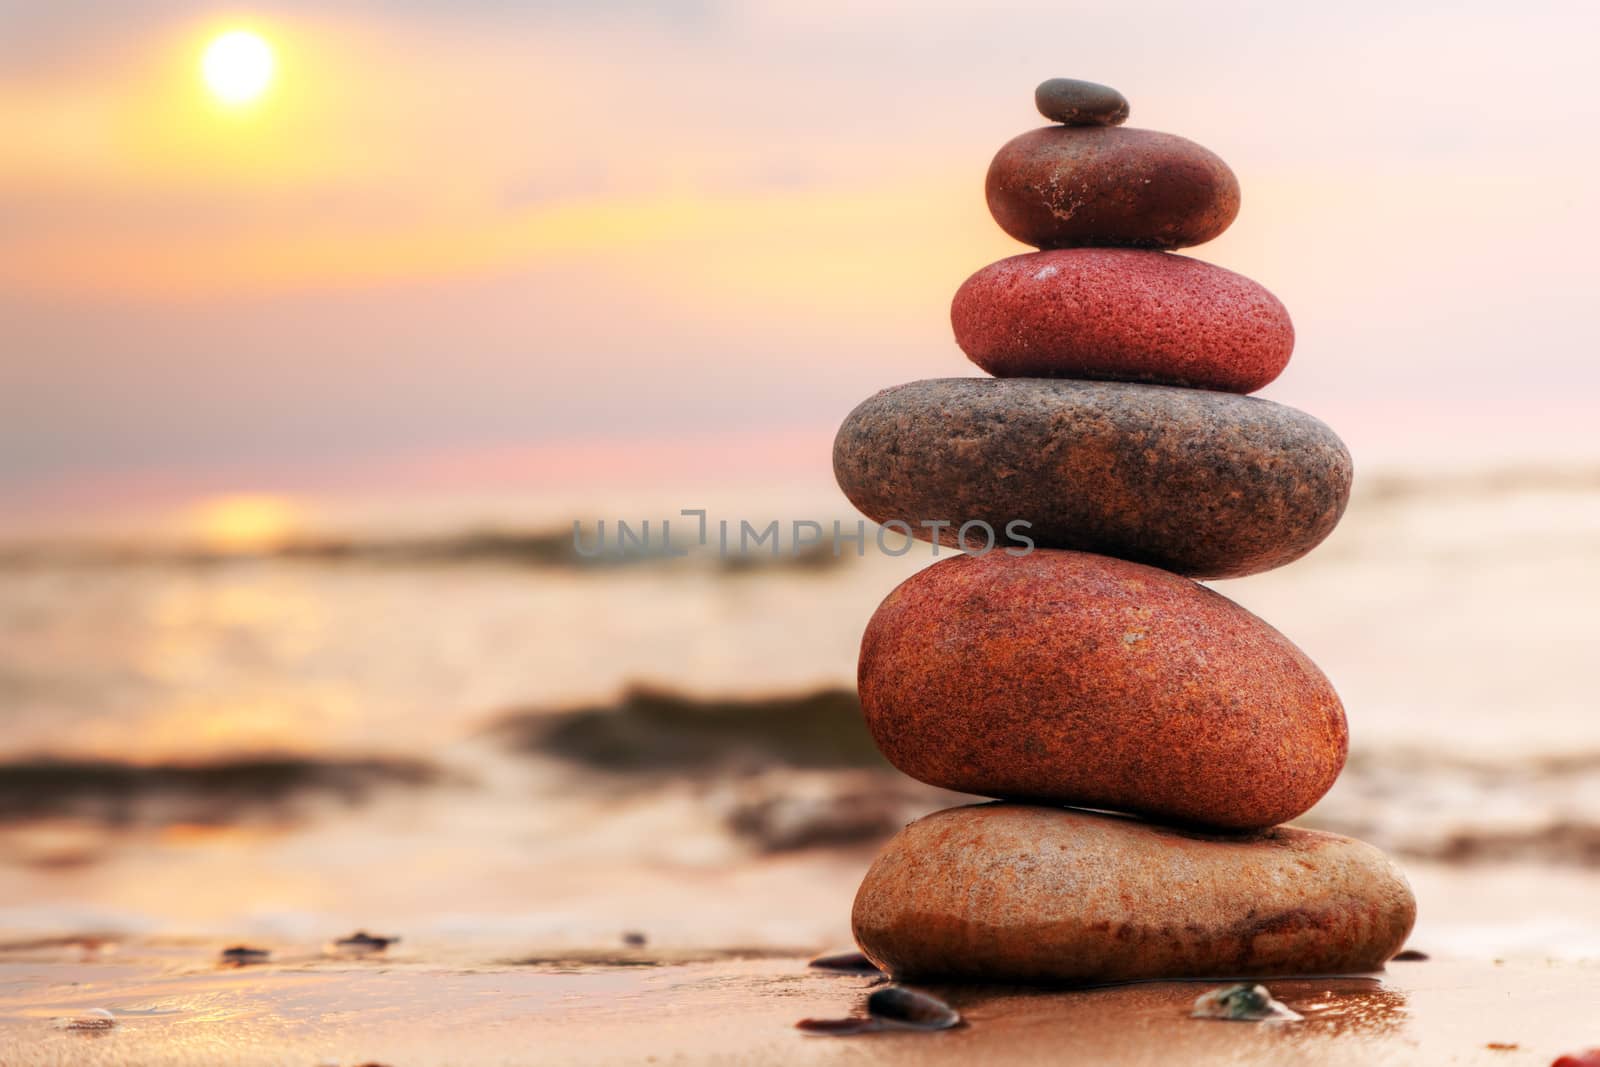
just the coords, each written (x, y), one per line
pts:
(731, 1008)
(723, 978)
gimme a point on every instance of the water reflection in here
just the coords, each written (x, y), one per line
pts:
(1346, 1005)
(1358, 1006)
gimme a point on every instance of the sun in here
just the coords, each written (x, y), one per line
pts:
(238, 67)
(245, 523)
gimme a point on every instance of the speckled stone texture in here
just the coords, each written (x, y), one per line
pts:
(1007, 893)
(1074, 102)
(1202, 483)
(1074, 186)
(1064, 677)
(1122, 315)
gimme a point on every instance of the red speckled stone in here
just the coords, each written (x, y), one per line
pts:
(1070, 678)
(1013, 893)
(1122, 315)
(1076, 186)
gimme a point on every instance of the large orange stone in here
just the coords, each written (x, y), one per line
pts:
(1079, 679)
(1017, 893)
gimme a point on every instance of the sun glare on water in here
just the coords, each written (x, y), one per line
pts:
(245, 523)
(238, 67)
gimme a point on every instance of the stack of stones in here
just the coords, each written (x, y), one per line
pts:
(1145, 735)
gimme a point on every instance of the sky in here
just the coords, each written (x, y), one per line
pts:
(544, 246)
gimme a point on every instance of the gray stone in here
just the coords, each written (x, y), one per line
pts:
(1080, 103)
(1206, 484)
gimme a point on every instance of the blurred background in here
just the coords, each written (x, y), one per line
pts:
(320, 324)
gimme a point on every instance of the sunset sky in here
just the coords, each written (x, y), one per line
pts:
(479, 244)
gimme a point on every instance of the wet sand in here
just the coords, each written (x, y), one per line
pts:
(638, 1007)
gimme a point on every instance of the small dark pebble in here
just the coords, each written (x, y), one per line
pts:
(634, 939)
(1410, 955)
(1079, 103)
(1245, 1003)
(847, 962)
(245, 954)
(890, 1008)
(361, 941)
(899, 1006)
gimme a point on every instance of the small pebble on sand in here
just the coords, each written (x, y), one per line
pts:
(244, 955)
(93, 1019)
(1243, 1003)
(890, 1008)
(845, 962)
(909, 1009)
(361, 943)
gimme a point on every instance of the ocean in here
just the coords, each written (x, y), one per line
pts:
(483, 739)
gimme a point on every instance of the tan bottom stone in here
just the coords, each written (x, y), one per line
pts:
(1021, 893)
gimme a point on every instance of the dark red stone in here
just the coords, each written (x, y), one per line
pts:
(1075, 186)
(1123, 315)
